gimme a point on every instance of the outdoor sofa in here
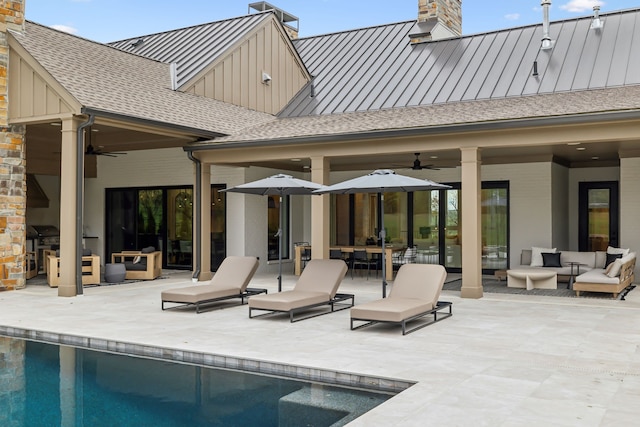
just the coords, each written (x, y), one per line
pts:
(614, 279)
(586, 260)
(230, 281)
(414, 294)
(316, 287)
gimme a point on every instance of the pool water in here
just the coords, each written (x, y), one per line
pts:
(50, 385)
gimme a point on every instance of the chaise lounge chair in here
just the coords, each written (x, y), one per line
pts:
(317, 286)
(230, 281)
(414, 294)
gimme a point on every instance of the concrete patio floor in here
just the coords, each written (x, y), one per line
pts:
(502, 360)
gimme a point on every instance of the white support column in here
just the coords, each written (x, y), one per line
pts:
(471, 224)
(68, 198)
(320, 209)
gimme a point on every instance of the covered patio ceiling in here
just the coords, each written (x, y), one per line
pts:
(43, 143)
(574, 155)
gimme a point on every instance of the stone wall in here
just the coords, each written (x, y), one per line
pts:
(13, 195)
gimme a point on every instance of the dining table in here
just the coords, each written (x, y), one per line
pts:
(347, 249)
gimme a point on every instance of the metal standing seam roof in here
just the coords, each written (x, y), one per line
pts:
(106, 79)
(378, 68)
(192, 48)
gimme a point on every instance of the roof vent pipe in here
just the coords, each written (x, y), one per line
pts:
(546, 39)
(173, 70)
(597, 23)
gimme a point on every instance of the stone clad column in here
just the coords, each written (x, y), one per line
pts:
(13, 197)
(320, 205)
(471, 224)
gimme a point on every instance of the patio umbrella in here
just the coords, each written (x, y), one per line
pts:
(382, 181)
(281, 185)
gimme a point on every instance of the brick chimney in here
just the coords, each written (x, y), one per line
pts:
(437, 19)
(13, 196)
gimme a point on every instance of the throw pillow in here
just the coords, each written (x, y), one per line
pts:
(611, 258)
(610, 267)
(551, 259)
(612, 250)
(614, 271)
(536, 255)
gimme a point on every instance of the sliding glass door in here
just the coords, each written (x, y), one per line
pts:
(163, 218)
(428, 220)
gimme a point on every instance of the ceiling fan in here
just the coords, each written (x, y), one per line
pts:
(417, 165)
(90, 151)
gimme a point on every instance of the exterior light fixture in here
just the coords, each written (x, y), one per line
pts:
(266, 78)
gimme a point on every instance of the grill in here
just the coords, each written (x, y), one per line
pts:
(42, 237)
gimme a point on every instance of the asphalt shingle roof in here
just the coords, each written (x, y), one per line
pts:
(103, 78)
(584, 102)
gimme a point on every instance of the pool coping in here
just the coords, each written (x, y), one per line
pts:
(295, 372)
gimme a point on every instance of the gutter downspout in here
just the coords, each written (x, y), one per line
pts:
(198, 217)
(80, 200)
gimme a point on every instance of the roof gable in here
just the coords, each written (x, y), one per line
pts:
(225, 60)
(34, 93)
(108, 80)
(193, 48)
(378, 67)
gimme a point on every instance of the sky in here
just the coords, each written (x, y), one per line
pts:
(112, 20)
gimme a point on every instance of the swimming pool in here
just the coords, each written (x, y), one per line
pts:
(43, 384)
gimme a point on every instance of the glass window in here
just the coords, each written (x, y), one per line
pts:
(599, 215)
(341, 227)
(273, 218)
(426, 208)
(365, 218)
(395, 218)
(494, 228)
(218, 226)
(179, 227)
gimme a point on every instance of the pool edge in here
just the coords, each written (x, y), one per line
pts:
(296, 372)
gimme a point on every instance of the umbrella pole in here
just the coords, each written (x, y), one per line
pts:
(280, 247)
(383, 236)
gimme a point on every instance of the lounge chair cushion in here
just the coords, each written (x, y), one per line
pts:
(391, 309)
(415, 291)
(322, 275)
(234, 268)
(232, 278)
(197, 293)
(411, 283)
(317, 284)
(287, 300)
